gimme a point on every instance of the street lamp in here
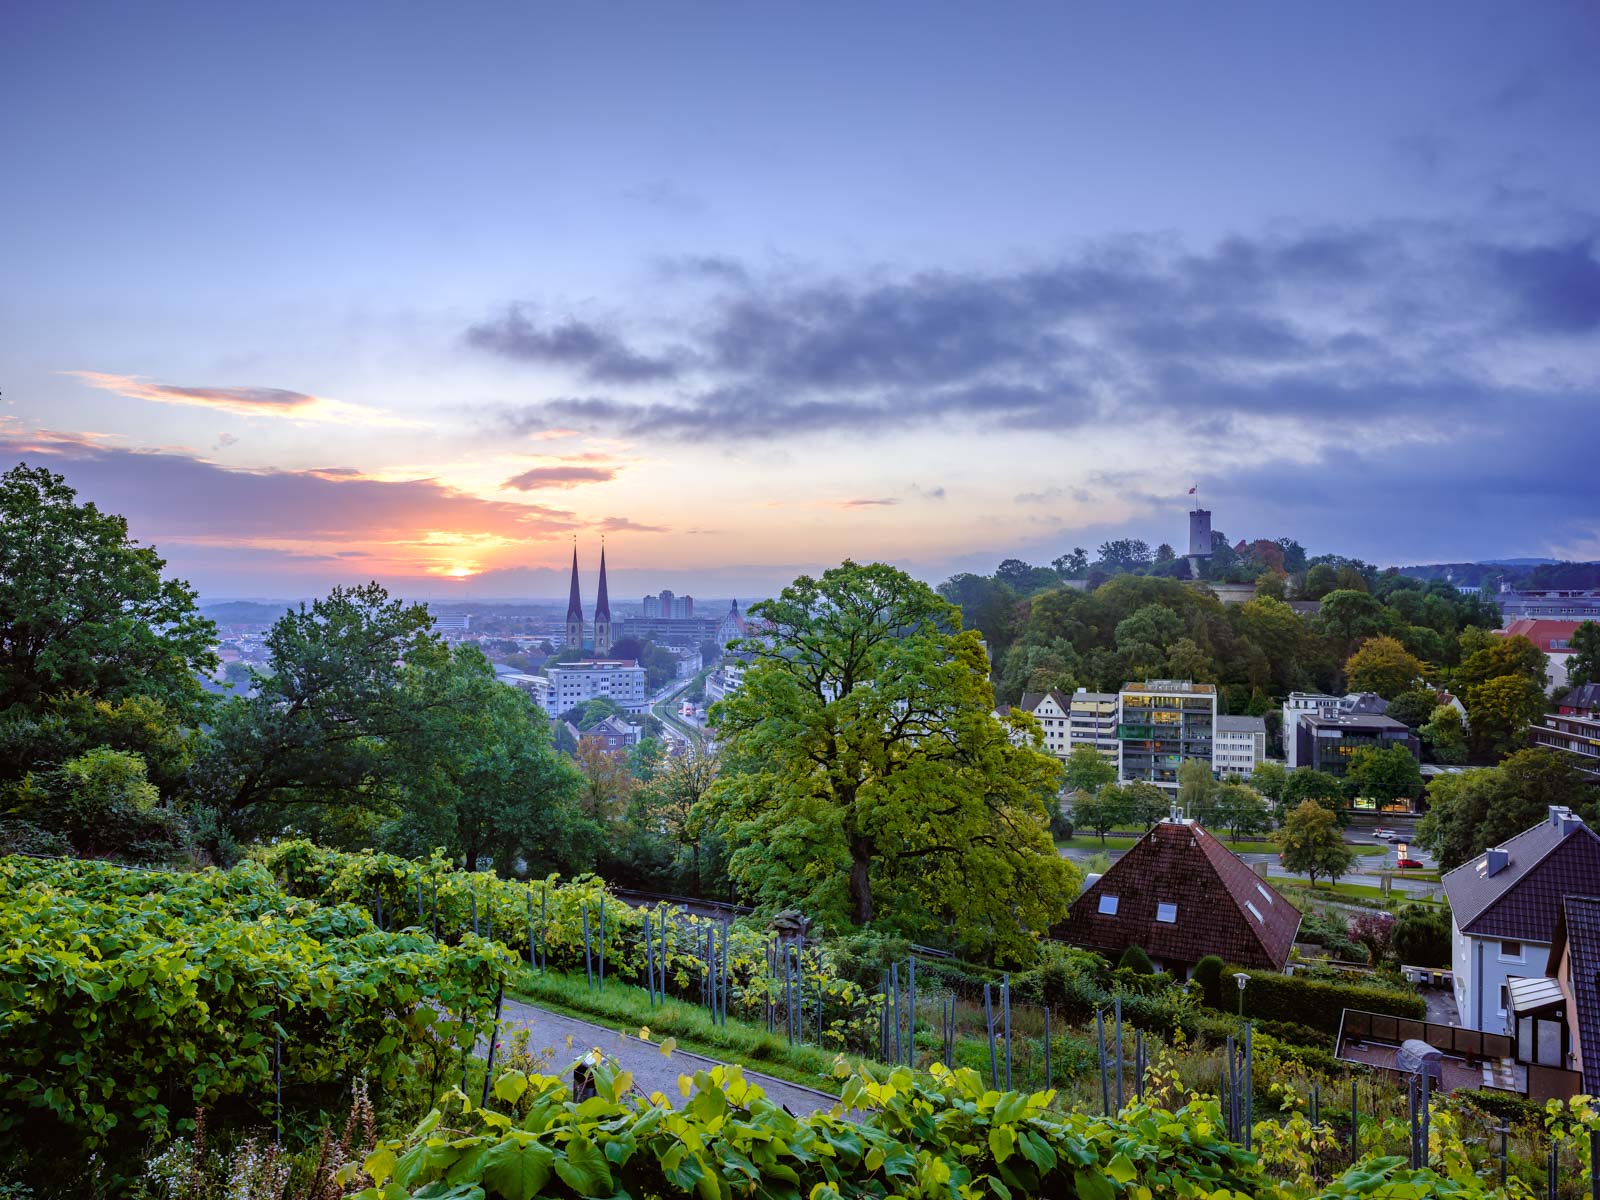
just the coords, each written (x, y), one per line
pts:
(1240, 978)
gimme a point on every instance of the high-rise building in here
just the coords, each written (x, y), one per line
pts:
(688, 607)
(1164, 723)
(574, 607)
(665, 598)
(652, 607)
(602, 610)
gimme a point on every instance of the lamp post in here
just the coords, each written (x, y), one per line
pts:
(1240, 978)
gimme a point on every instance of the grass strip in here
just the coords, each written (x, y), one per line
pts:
(1092, 843)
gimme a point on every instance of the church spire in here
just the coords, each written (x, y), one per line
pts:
(574, 607)
(602, 608)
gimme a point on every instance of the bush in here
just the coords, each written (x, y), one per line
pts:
(1320, 1005)
(1136, 960)
(1422, 936)
(1208, 974)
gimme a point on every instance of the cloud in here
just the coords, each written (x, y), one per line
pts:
(224, 440)
(1391, 321)
(559, 477)
(243, 401)
(627, 525)
(598, 354)
(877, 503)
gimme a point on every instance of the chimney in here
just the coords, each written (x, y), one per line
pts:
(1494, 861)
(1564, 819)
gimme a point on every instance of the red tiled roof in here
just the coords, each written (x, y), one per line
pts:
(1541, 632)
(1214, 892)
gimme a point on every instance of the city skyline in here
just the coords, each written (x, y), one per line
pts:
(316, 296)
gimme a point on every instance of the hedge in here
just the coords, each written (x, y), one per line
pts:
(1273, 997)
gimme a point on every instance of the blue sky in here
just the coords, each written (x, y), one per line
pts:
(421, 292)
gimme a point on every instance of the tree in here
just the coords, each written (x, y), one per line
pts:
(1500, 710)
(1136, 960)
(1087, 771)
(1241, 810)
(678, 796)
(1074, 565)
(1504, 656)
(1146, 803)
(100, 802)
(1100, 811)
(1384, 775)
(1350, 615)
(1413, 707)
(866, 778)
(1312, 843)
(1165, 553)
(316, 732)
(1270, 585)
(1023, 578)
(1469, 812)
(1270, 779)
(607, 784)
(1197, 790)
(1306, 784)
(1445, 735)
(1384, 666)
(591, 712)
(84, 609)
(1583, 664)
(1124, 554)
(1422, 936)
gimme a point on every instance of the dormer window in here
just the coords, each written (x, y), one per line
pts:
(1108, 906)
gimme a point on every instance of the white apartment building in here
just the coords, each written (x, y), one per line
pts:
(620, 679)
(537, 686)
(1050, 710)
(1237, 745)
(1092, 721)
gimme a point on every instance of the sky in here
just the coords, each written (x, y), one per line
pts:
(419, 292)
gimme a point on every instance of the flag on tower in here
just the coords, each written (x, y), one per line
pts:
(1191, 490)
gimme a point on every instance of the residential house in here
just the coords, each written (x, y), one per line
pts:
(1575, 951)
(1553, 637)
(1050, 710)
(1504, 905)
(1180, 894)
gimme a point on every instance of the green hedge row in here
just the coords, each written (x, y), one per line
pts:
(1272, 997)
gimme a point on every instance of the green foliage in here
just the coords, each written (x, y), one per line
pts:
(1413, 707)
(1384, 666)
(865, 778)
(1317, 1003)
(1087, 770)
(134, 997)
(1383, 774)
(1304, 784)
(1422, 936)
(1500, 710)
(1208, 974)
(938, 1135)
(102, 803)
(1445, 735)
(1241, 810)
(1271, 780)
(1583, 664)
(84, 609)
(1469, 812)
(1312, 843)
(1136, 960)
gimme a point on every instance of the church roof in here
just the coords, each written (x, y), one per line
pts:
(602, 603)
(575, 600)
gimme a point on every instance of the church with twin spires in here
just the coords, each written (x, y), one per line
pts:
(602, 609)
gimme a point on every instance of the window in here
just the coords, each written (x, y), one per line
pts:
(1510, 951)
(1167, 913)
(1108, 906)
(1505, 999)
(1255, 912)
(1265, 895)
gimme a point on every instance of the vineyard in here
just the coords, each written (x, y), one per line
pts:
(146, 1012)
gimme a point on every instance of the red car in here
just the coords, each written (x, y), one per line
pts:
(1409, 864)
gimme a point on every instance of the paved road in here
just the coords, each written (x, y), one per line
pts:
(652, 1071)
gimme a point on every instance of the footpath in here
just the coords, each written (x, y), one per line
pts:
(652, 1071)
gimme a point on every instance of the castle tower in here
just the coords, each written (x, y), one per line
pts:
(602, 610)
(574, 607)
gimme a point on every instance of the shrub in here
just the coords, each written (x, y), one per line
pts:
(1136, 960)
(1320, 1005)
(1208, 974)
(1422, 936)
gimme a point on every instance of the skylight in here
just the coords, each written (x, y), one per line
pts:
(1265, 895)
(1108, 906)
(1255, 912)
(1167, 912)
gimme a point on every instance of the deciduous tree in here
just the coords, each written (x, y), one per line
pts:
(1384, 666)
(1312, 843)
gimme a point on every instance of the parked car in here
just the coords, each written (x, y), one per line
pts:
(1385, 835)
(1409, 864)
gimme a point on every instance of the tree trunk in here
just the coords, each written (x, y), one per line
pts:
(860, 880)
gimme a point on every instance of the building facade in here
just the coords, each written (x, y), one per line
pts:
(1050, 710)
(1328, 742)
(1294, 706)
(1577, 736)
(1504, 906)
(1238, 746)
(1162, 724)
(1092, 722)
(620, 679)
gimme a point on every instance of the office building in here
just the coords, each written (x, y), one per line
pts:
(620, 679)
(652, 606)
(1238, 746)
(1294, 706)
(1575, 733)
(1328, 742)
(1092, 721)
(1162, 724)
(670, 631)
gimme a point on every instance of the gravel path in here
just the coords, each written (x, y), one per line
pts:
(652, 1071)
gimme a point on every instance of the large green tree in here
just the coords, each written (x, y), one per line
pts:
(1384, 666)
(1312, 843)
(85, 609)
(1583, 665)
(1383, 774)
(1471, 811)
(866, 779)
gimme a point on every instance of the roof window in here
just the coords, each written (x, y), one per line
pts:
(1167, 912)
(1108, 906)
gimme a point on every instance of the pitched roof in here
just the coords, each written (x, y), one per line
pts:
(1584, 696)
(1578, 929)
(1557, 857)
(1222, 906)
(1541, 632)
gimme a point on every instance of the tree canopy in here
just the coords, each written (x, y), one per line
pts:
(865, 777)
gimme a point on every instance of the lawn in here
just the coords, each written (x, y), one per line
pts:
(1091, 843)
(1352, 891)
